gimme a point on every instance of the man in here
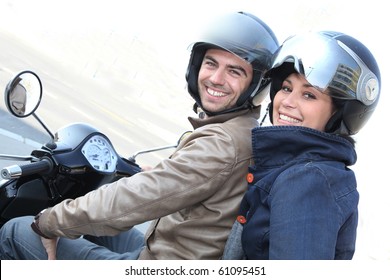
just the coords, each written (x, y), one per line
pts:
(193, 196)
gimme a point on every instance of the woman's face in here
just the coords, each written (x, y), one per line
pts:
(299, 103)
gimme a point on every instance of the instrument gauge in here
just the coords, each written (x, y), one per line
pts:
(100, 154)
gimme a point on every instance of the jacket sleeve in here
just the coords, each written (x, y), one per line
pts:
(194, 172)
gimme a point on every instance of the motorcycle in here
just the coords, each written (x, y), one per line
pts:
(77, 159)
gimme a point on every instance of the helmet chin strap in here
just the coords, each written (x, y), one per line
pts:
(265, 115)
(334, 124)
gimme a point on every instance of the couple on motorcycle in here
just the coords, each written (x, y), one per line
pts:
(193, 197)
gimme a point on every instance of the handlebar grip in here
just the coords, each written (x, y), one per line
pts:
(16, 171)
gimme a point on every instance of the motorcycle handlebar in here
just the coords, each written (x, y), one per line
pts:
(16, 171)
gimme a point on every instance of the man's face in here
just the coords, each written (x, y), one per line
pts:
(223, 76)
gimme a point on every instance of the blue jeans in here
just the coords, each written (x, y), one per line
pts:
(18, 241)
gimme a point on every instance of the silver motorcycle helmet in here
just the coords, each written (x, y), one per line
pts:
(336, 64)
(244, 35)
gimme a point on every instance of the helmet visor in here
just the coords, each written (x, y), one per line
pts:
(330, 66)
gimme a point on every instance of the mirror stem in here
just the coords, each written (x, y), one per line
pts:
(43, 125)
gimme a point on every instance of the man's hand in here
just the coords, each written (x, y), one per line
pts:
(50, 247)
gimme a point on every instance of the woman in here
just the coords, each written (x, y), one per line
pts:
(302, 201)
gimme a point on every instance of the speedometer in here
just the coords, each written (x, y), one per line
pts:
(100, 154)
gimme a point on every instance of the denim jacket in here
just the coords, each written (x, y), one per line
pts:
(303, 201)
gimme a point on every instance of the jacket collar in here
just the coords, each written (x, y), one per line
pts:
(203, 120)
(278, 145)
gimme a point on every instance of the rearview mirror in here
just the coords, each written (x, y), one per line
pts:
(23, 94)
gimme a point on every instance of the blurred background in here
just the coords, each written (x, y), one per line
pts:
(120, 66)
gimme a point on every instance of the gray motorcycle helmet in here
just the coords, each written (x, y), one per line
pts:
(244, 35)
(337, 64)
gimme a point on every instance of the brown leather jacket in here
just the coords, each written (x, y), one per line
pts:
(194, 195)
